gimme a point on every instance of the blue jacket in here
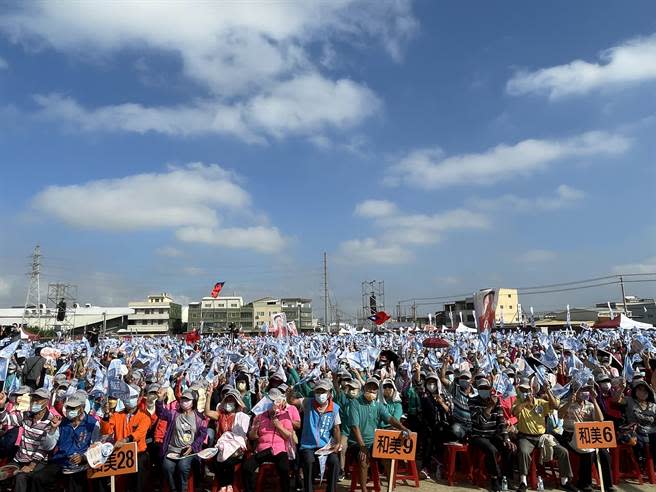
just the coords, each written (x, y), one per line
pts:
(75, 441)
(317, 427)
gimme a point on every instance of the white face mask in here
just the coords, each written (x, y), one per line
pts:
(185, 404)
(241, 386)
(229, 407)
(450, 377)
(72, 414)
(432, 387)
(353, 393)
(321, 398)
(605, 386)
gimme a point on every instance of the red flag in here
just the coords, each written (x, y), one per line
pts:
(379, 318)
(217, 288)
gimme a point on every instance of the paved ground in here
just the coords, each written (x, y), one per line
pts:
(432, 486)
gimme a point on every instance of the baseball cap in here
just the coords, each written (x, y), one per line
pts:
(524, 383)
(354, 383)
(153, 388)
(41, 393)
(188, 395)
(23, 390)
(464, 374)
(373, 381)
(77, 399)
(323, 384)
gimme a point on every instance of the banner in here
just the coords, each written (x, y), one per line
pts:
(485, 304)
(278, 326)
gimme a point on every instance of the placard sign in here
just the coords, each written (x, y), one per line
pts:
(121, 462)
(390, 444)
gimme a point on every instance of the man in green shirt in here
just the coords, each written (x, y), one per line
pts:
(344, 398)
(364, 415)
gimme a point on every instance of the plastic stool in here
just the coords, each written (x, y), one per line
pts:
(374, 475)
(451, 457)
(190, 483)
(575, 461)
(406, 471)
(237, 485)
(631, 468)
(477, 459)
(649, 467)
(548, 471)
(264, 475)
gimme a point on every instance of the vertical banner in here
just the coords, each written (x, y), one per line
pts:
(278, 327)
(485, 304)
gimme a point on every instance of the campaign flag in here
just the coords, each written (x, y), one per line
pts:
(610, 311)
(379, 318)
(9, 350)
(485, 304)
(569, 318)
(628, 369)
(217, 288)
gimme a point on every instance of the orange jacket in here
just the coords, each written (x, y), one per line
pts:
(136, 429)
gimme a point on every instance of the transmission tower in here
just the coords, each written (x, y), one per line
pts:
(33, 299)
(56, 294)
(373, 299)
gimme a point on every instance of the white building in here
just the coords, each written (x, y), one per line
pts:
(157, 315)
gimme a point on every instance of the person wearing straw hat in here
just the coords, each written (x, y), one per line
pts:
(232, 435)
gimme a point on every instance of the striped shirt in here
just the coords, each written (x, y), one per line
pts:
(36, 442)
(461, 414)
(482, 425)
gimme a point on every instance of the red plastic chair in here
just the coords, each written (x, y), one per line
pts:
(190, 484)
(374, 476)
(406, 471)
(451, 453)
(237, 485)
(547, 471)
(625, 464)
(267, 475)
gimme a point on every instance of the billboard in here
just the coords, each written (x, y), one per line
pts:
(485, 305)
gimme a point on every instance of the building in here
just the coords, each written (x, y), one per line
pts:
(157, 315)
(299, 311)
(507, 307)
(643, 310)
(218, 313)
(80, 317)
(263, 309)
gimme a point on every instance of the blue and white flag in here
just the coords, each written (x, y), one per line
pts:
(9, 350)
(628, 369)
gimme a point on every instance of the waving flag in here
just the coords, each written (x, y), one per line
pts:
(217, 288)
(379, 318)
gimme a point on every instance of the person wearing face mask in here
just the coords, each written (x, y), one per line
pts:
(185, 433)
(489, 433)
(40, 433)
(507, 401)
(365, 414)
(391, 401)
(582, 407)
(242, 384)
(435, 427)
(610, 399)
(461, 390)
(157, 429)
(606, 360)
(273, 430)
(232, 429)
(77, 432)
(641, 411)
(344, 399)
(532, 413)
(320, 427)
(9, 438)
(129, 425)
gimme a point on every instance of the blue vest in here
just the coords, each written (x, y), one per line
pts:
(74, 441)
(317, 427)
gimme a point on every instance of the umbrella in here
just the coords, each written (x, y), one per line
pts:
(435, 343)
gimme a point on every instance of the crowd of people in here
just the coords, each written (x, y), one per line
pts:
(219, 408)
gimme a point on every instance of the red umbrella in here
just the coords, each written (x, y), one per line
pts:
(435, 343)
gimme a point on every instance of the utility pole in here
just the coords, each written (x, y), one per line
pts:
(623, 295)
(414, 312)
(325, 292)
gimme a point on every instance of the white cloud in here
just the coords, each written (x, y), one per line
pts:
(193, 271)
(3, 64)
(255, 66)
(258, 238)
(304, 105)
(195, 200)
(563, 197)
(169, 251)
(427, 169)
(628, 63)
(5, 288)
(646, 266)
(398, 232)
(371, 209)
(372, 250)
(537, 256)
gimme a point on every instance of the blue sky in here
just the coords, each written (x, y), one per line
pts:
(441, 147)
